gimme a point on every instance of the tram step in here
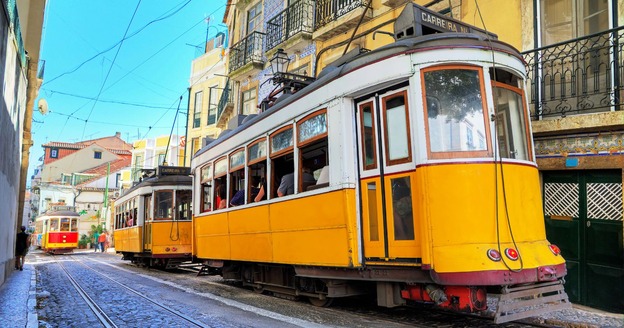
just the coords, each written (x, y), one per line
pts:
(528, 301)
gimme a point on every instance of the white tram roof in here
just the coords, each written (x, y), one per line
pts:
(346, 65)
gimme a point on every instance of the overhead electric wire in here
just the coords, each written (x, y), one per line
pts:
(107, 101)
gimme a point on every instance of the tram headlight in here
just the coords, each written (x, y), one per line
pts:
(511, 253)
(493, 255)
(555, 249)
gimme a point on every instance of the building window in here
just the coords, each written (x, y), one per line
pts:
(198, 108)
(97, 154)
(195, 146)
(213, 102)
(249, 102)
(54, 153)
(253, 17)
(117, 180)
(563, 20)
(161, 159)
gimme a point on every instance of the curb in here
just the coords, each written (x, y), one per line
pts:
(33, 318)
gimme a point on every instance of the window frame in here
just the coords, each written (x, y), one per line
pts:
(384, 99)
(362, 136)
(316, 137)
(488, 135)
(97, 154)
(253, 100)
(214, 167)
(54, 152)
(527, 119)
(259, 159)
(241, 166)
(286, 150)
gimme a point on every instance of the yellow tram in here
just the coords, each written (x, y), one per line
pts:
(56, 231)
(153, 219)
(425, 184)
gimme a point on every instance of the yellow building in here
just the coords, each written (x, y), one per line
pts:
(152, 152)
(208, 85)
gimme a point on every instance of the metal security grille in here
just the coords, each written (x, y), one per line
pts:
(604, 201)
(561, 199)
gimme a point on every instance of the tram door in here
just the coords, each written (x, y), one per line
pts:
(387, 179)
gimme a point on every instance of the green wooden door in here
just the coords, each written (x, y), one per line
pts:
(583, 215)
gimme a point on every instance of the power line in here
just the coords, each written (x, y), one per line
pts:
(107, 101)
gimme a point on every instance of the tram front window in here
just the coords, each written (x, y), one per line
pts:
(183, 204)
(64, 224)
(74, 225)
(455, 112)
(54, 225)
(164, 204)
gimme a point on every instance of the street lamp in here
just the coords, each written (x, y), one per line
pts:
(279, 63)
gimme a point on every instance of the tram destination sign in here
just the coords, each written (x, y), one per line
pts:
(416, 21)
(173, 170)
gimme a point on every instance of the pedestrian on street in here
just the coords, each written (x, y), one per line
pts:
(102, 241)
(22, 243)
(96, 243)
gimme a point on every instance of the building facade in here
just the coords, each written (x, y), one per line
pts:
(20, 37)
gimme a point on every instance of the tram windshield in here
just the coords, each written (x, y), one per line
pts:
(54, 224)
(511, 127)
(65, 224)
(74, 225)
(183, 204)
(164, 205)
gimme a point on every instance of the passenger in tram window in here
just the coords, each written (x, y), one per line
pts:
(221, 197)
(287, 184)
(261, 191)
(130, 221)
(254, 189)
(238, 198)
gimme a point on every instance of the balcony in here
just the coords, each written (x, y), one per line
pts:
(246, 55)
(579, 76)
(329, 17)
(225, 107)
(292, 28)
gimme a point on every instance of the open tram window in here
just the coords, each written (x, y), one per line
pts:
(512, 124)
(282, 162)
(163, 201)
(183, 205)
(64, 224)
(220, 184)
(237, 178)
(256, 170)
(206, 188)
(397, 129)
(455, 112)
(313, 154)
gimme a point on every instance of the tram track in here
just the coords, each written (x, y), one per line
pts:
(102, 315)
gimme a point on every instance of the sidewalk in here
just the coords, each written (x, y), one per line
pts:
(18, 299)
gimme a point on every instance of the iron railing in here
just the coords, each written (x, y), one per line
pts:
(298, 17)
(579, 76)
(328, 11)
(247, 50)
(227, 97)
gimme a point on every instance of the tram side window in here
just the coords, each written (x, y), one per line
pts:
(64, 224)
(206, 188)
(74, 225)
(257, 165)
(237, 178)
(183, 205)
(147, 206)
(282, 162)
(54, 225)
(313, 154)
(455, 112)
(220, 184)
(164, 204)
(512, 130)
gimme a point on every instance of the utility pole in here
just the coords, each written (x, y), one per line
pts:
(106, 194)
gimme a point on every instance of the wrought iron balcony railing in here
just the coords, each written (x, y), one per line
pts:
(298, 17)
(583, 75)
(227, 97)
(247, 50)
(330, 10)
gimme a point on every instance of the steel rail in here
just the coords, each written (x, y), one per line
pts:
(136, 292)
(99, 313)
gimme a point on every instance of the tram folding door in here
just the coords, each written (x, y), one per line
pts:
(387, 187)
(583, 212)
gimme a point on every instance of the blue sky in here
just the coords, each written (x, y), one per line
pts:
(137, 84)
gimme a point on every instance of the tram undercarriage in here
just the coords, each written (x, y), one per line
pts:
(148, 260)
(322, 285)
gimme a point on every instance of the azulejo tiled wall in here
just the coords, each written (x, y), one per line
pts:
(594, 144)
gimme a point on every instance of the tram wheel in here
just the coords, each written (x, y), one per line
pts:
(327, 301)
(258, 289)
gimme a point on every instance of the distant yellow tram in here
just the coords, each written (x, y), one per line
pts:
(153, 219)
